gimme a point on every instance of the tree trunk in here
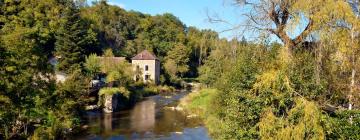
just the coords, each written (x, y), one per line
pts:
(353, 70)
(200, 55)
(318, 54)
(288, 43)
(289, 52)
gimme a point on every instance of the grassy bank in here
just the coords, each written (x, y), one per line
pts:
(203, 103)
(198, 102)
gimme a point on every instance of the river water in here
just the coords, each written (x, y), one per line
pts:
(152, 118)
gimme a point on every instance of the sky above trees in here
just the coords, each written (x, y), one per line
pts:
(192, 13)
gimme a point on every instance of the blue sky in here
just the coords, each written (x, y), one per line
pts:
(190, 12)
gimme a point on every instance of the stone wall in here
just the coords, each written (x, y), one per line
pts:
(110, 103)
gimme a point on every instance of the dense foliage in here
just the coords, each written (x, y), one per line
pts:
(128, 33)
(260, 95)
(301, 89)
(304, 89)
(32, 32)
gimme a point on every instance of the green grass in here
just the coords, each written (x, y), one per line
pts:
(113, 90)
(204, 104)
(198, 102)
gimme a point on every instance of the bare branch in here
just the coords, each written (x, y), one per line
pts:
(274, 15)
(216, 19)
(243, 2)
(305, 33)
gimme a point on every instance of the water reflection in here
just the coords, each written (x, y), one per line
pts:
(108, 120)
(147, 120)
(143, 116)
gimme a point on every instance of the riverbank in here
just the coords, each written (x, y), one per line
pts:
(205, 104)
(202, 103)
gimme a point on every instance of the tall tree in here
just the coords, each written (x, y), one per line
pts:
(354, 60)
(114, 26)
(201, 41)
(176, 62)
(73, 40)
(26, 34)
(291, 21)
(161, 33)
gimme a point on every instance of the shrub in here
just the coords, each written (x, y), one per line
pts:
(112, 91)
(339, 125)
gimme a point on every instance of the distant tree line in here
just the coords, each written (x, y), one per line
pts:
(181, 49)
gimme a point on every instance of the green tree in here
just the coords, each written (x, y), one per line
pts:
(219, 61)
(201, 43)
(27, 39)
(177, 60)
(92, 64)
(117, 73)
(160, 33)
(72, 40)
(107, 62)
(64, 106)
(121, 74)
(25, 81)
(114, 26)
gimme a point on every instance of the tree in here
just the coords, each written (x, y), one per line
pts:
(118, 73)
(92, 64)
(353, 26)
(219, 61)
(72, 40)
(65, 105)
(107, 63)
(307, 127)
(176, 62)
(201, 41)
(282, 17)
(121, 73)
(161, 33)
(25, 75)
(114, 26)
(27, 39)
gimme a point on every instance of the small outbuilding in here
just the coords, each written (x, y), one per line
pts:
(147, 67)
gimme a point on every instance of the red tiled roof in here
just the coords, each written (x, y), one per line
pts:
(145, 55)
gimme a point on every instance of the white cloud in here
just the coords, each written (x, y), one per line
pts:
(117, 4)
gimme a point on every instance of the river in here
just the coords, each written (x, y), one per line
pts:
(152, 118)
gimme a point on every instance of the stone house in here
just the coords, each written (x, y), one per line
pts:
(147, 67)
(145, 64)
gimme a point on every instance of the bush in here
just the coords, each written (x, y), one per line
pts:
(112, 91)
(303, 122)
(339, 125)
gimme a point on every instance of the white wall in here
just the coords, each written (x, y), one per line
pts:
(153, 71)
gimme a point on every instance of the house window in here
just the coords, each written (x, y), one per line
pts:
(146, 67)
(147, 77)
